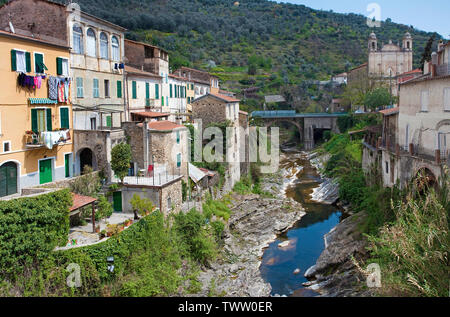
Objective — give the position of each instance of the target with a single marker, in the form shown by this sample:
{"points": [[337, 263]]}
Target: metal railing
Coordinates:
{"points": [[151, 179], [37, 139]]}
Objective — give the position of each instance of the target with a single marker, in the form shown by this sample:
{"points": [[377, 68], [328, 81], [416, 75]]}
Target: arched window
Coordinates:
{"points": [[91, 43], [77, 39], [104, 46], [115, 49]]}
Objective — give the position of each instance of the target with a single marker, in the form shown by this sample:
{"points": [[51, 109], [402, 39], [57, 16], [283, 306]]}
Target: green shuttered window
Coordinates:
{"points": [[64, 113], [134, 88], [156, 91], [119, 89]]}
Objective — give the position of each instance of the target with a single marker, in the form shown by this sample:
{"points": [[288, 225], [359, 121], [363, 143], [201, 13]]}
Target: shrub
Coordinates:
{"points": [[193, 233], [30, 228], [413, 250]]}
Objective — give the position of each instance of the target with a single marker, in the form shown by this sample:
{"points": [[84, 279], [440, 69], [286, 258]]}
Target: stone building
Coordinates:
{"points": [[385, 64], [158, 147], [219, 108], [415, 136], [154, 60]]}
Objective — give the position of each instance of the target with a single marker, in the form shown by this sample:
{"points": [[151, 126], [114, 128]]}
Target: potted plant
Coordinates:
{"points": [[97, 229]]}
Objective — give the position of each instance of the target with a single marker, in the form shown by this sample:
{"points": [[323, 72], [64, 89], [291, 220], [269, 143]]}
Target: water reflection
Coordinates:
{"points": [[279, 264]]}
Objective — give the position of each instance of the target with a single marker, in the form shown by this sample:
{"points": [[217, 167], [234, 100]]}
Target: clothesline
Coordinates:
{"points": [[58, 87]]}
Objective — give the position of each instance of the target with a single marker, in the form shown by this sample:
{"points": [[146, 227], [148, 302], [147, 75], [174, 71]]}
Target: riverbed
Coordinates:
{"points": [[284, 267]]}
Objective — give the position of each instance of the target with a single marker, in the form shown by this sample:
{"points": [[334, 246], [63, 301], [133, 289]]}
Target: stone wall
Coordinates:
{"points": [[164, 149], [135, 134], [209, 110], [41, 19], [174, 192], [101, 144]]}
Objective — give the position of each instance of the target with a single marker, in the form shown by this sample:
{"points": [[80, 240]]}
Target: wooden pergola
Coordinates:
{"points": [[79, 202]]}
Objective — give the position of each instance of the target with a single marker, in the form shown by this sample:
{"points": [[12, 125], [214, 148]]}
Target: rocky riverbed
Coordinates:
{"points": [[254, 224], [335, 273]]}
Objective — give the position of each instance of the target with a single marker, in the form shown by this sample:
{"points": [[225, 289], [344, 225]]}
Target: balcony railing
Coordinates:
{"points": [[46, 138]]}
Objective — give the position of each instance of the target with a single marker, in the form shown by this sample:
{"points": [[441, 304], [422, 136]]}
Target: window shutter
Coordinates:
{"points": [[59, 68], [49, 119], [64, 112], [13, 60], [156, 91], [28, 61], [39, 63], [147, 90], [134, 85], [171, 95], [119, 89], [34, 122]]}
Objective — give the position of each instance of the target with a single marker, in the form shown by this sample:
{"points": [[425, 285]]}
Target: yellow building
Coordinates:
{"points": [[35, 131]]}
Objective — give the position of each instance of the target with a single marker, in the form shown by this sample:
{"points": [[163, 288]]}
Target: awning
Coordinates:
{"points": [[42, 101], [195, 173]]}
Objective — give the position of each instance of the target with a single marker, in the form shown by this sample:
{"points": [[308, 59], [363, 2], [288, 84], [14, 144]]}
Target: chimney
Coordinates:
{"points": [[440, 45], [411, 148], [434, 62], [438, 156]]}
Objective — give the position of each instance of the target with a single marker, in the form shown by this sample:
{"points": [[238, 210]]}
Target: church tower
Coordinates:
{"points": [[373, 43], [407, 42]]}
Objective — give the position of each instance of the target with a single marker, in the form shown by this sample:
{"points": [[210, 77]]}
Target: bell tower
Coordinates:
{"points": [[373, 43], [407, 42]]}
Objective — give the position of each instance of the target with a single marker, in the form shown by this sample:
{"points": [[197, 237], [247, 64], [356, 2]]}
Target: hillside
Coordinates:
{"points": [[284, 44]]}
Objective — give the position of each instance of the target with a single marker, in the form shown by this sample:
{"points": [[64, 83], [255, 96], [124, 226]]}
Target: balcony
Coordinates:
{"points": [[46, 138]]}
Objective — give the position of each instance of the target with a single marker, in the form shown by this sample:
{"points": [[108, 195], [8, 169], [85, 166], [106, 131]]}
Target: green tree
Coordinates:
{"points": [[426, 55], [379, 97], [120, 160]]}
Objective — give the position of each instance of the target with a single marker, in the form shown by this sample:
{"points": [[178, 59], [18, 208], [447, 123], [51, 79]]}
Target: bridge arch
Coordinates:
{"points": [[299, 126]]}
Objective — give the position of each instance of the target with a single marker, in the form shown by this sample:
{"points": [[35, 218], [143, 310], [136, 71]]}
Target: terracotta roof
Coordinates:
{"points": [[243, 112], [391, 111], [223, 97], [81, 201], [132, 70], [164, 125], [151, 114], [414, 71], [208, 172], [360, 66]]}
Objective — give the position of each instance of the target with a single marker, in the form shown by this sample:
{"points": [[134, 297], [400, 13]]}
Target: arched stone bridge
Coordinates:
{"points": [[306, 123]]}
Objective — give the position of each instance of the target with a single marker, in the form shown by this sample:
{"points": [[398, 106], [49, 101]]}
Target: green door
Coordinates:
{"points": [[8, 179], [67, 164], [108, 121], [45, 172], [117, 201]]}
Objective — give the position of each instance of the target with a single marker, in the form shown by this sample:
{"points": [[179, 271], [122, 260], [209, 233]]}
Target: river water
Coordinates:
{"points": [[306, 237]]}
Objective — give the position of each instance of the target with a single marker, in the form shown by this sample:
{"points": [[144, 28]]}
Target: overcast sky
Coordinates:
{"points": [[430, 15]]}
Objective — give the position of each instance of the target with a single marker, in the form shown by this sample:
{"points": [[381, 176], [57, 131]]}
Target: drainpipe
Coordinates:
{"points": [[127, 100], [145, 140]]}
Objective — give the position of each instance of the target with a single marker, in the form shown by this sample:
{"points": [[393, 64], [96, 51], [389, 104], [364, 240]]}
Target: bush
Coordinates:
{"points": [[104, 208], [413, 250], [30, 228], [194, 235]]}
